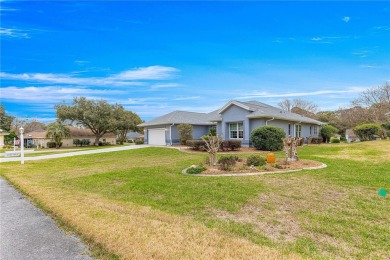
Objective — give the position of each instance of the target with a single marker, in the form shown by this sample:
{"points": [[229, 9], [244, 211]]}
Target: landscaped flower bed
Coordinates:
{"points": [[233, 164]]}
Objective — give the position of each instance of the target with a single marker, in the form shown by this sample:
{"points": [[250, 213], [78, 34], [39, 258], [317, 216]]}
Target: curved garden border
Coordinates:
{"points": [[323, 165]]}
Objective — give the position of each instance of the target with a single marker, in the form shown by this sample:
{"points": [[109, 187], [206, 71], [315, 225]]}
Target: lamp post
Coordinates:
{"points": [[21, 130]]}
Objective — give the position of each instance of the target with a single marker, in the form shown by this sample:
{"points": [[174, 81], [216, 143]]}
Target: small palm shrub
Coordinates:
{"points": [[255, 160]]}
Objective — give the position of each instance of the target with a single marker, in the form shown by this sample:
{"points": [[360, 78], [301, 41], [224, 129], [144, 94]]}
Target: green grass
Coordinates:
{"points": [[326, 213]]}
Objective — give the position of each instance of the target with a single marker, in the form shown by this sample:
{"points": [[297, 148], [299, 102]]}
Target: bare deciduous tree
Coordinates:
{"points": [[299, 105], [212, 144]]}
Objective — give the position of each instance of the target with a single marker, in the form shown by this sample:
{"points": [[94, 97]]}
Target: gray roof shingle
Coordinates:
{"points": [[258, 110]]}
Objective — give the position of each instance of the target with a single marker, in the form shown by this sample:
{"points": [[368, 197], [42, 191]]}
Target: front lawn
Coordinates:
{"points": [[137, 204]]}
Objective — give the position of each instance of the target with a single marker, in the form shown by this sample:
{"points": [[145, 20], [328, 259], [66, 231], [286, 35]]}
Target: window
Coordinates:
{"points": [[315, 130], [310, 130], [289, 129], [236, 131], [298, 130]]}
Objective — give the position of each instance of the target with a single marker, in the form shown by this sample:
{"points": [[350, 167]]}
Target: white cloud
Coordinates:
{"points": [[13, 33], [51, 94], [150, 73], [316, 39], [186, 98], [346, 19], [265, 94], [126, 78], [165, 85]]}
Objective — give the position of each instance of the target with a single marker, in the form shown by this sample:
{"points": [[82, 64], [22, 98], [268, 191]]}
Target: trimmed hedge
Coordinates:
{"points": [[334, 140], [268, 138], [195, 144], [314, 140], [367, 131], [139, 141], [196, 170], [52, 144], [232, 145]]}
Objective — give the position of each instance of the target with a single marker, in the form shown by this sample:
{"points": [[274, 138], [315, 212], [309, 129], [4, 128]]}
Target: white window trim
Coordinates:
{"points": [[315, 130], [295, 128], [237, 130]]}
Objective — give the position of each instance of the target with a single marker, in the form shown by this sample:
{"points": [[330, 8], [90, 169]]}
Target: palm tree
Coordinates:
{"points": [[57, 131]]}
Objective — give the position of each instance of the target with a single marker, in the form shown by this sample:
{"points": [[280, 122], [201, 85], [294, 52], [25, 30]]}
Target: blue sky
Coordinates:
{"points": [[156, 57]]}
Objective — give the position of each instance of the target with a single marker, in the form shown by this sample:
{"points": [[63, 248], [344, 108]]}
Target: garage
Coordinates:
{"points": [[156, 136]]}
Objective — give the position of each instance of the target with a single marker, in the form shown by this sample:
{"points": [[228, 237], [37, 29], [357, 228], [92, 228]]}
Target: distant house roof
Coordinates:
{"points": [[75, 132], [133, 135], [257, 109]]}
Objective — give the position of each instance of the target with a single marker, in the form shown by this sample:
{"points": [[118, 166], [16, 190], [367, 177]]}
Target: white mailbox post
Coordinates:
{"points": [[21, 130]]}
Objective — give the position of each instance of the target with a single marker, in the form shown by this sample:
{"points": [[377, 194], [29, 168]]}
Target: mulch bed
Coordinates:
{"points": [[280, 165]]}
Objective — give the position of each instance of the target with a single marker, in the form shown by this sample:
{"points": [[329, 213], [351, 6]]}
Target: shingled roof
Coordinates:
{"points": [[257, 109], [183, 117]]}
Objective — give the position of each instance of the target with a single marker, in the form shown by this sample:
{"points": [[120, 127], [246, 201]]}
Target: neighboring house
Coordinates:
{"points": [[38, 137], [350, 136], [134, 136], [2, 134], [235, 120]]}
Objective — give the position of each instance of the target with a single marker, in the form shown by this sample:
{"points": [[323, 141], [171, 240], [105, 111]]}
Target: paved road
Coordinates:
{"points": [[52, 156], [27, 233]]}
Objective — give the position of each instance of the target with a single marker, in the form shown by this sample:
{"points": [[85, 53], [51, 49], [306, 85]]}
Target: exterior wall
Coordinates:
{"points": [[166, 127], [1, 140], [235, 114], [197, 133], [219, 128]]}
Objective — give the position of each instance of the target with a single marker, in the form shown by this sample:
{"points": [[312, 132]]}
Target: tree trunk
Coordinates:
{"points": [[97, 140]]}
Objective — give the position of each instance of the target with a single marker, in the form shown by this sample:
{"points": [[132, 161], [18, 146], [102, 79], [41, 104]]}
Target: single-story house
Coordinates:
{"points": [[38, 137], [235, 120], [134, 136], [350, 136]]}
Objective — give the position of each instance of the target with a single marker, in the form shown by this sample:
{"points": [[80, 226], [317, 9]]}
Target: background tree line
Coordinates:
{"points": [[97, 115], [372, 106]]}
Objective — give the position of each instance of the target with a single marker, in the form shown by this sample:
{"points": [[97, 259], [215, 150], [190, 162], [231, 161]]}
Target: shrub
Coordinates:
{"points": [[366, 131], [268, 138], [185, 132], [213, 131], [195, 144], [227, 162], [76, 142], [335, 140], [386, 126], [139, 141], [255, 160], [314, 140], [196, 170], [327, 131], [231, 145], [51, 144], [130, 141], [85, 142]]}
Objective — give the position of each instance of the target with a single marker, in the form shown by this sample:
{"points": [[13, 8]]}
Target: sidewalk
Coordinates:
{"points": [[27, 233]]}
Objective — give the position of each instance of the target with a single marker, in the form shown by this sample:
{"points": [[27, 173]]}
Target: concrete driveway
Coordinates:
{"points": [[52, 156], [27, 233]]}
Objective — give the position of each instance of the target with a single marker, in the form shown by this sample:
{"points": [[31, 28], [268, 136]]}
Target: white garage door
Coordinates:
{"points": [[156, 136]]}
